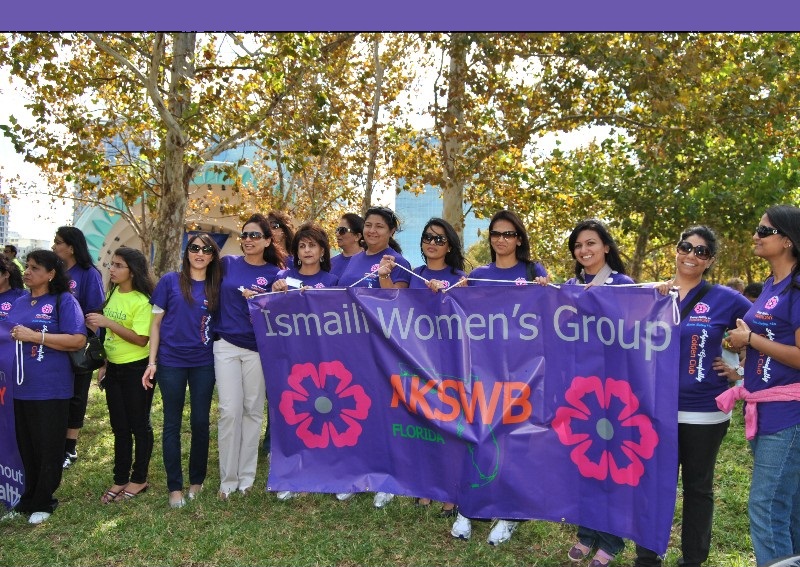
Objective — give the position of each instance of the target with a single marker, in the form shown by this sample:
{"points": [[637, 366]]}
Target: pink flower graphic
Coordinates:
{"points": [[261, 280], [324, 405], [5, 306], [374, 268], [609, 436], [47, 308], [701, 308], [521, 281], [771, 302]]}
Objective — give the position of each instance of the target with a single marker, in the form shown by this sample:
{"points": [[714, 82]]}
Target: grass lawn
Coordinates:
{"points": [[310, 530]]}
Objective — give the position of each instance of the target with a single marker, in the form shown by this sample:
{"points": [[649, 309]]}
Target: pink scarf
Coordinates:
{"points": [[727, 400]]}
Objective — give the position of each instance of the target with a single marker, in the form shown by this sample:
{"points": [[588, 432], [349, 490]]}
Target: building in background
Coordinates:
{"points": [[415, 210], [5, 213]]}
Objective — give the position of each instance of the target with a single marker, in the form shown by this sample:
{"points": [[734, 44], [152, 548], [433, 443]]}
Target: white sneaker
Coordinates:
{"points": [[462, 527], [342, 496], [284, 495], [501, 532], [38, 517], [382, 499]]}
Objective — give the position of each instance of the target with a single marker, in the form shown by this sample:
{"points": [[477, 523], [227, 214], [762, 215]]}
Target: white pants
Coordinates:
{"points": [[241, 392]]}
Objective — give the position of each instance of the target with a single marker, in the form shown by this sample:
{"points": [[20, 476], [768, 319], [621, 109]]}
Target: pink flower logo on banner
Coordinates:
{"points": [[771, 302], [608, 435], [324, 405], [701, 308], [47, 308]]}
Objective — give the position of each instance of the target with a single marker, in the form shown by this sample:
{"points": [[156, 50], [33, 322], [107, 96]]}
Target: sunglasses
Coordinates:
{"points": [[342, 230], [275, 224], [207, 249], [437, 239], [507, 235], [702, 252], [765, 231], [253, 235]]}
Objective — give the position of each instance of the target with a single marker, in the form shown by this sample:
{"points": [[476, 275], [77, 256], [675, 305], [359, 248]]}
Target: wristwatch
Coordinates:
{"points": [[740, 370]]}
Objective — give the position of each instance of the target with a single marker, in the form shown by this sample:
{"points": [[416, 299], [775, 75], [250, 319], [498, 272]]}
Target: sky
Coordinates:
{"points": [[32, 216]]}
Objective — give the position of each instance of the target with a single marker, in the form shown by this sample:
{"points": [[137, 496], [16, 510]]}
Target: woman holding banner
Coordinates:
{"points": [[48, 323], [444, 257], [311, 255], [237, 364], [364, 269], [511, 264], [770, 331], [11, 286], [707, 312], [597, 263]]}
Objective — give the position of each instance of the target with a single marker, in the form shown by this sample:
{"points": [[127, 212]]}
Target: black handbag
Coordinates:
{"points": [[90, 357]]}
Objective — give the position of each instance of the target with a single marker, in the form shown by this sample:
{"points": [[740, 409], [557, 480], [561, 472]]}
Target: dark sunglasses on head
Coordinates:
{"points": [[702, 252], [765, 231], [253, 235], [274, 224], [437, 239], [342, 230], [207, 249], [506, 234]]}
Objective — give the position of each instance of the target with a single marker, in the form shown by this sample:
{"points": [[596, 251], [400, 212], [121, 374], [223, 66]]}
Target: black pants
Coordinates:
{"points": [[41, 426], [80, 397], [129, 412], [698, 446]]}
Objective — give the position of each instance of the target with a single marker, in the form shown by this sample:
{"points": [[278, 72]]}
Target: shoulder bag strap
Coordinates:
{"points": [[704, 290]]}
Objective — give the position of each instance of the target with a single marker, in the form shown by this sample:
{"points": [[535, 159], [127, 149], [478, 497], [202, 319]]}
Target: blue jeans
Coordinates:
{"points": [[172, 382], [609, 543], [774, 504]]}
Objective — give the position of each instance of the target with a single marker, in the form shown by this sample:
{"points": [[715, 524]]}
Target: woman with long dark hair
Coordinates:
{"points": [[444, 258], [126, 318], [181, 355], [511, 264], [282, 229], [86, 283], [237, 364], [770, 331], [349, 239], [48, 323]]}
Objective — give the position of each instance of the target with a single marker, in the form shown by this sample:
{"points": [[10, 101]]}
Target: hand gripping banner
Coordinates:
{"points": [[513, 402]]}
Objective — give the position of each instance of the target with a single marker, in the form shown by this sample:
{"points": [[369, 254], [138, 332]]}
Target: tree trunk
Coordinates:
{"points": [[373, 130], [453, 190], [642, 239], [169, 224]]}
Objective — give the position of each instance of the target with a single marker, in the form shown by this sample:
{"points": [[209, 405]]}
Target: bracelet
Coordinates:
{"points": [[42, 336], [386, 277], [152, 364], [750, 334]]}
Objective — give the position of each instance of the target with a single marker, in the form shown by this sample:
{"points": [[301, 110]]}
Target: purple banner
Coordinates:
{"points": [[11, 476], [514, 402]]}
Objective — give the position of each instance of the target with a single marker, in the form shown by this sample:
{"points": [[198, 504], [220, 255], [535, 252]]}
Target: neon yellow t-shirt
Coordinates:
{"points": [[133, 311]]}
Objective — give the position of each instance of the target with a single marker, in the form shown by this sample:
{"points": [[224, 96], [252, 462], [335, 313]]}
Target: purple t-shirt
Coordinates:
{"points": [[446, 275], [7, 299], [320, 279], [614, 279], [515, 275], [186, 334], [362, 264], [233, 323], [774, 315], [701, 342], [339, 263], [86, 285], [47, 372]]}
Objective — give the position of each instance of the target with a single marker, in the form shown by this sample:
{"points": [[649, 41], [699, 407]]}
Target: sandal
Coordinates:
{"points": [[601, 559], [128, 495], [111, 495], [448, 512], [422, 502], [579, 552]]}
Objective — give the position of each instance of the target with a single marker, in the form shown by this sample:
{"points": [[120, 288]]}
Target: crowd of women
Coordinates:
{"points": [[192, 330]]}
